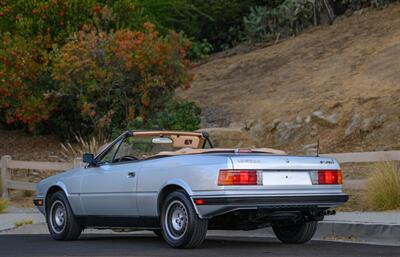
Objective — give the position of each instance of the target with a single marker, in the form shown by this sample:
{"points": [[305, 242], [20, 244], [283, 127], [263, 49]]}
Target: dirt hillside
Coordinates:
{"points": [[22, 146], [339, 83]]}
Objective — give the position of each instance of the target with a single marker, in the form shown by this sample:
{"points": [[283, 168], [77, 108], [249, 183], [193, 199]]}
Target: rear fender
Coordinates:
{"points": [[181, 183]]}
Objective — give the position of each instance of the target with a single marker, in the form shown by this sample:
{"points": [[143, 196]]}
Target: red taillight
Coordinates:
{"points": [[329, 177], [237, 177]]}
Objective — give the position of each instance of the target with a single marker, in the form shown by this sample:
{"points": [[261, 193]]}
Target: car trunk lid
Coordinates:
{"points": [[285, 170], [282, 162]]}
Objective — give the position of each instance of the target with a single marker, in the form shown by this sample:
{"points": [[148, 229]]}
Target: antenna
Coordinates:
{"points": [[318, 147]]}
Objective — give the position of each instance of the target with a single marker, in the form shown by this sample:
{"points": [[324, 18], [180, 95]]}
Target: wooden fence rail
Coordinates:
{"points": [[8, 164], [381, 156]]}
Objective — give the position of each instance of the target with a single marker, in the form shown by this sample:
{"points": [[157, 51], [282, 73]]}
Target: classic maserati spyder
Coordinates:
{"points": [[177, 185]]}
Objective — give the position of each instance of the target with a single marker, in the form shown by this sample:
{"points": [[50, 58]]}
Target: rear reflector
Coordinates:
{"points": [[238, 178], [38, 202], [199, 201], [330, 177]]}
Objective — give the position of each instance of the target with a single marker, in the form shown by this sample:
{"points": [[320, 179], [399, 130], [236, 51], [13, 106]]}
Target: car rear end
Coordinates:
{"points": [[261, 190]]}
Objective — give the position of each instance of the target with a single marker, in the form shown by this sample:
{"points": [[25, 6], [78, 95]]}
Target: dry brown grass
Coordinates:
{"points": [[3, 205], [81, 146], [27, 193], [383, 187], [23, 223]]}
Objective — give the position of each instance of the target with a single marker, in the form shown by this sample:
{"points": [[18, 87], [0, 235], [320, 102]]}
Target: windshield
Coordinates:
{"points": [[142, 148], [145, 144]]}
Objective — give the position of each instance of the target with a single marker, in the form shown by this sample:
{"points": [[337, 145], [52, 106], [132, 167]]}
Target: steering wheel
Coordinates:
{"points": [[126, 158]]}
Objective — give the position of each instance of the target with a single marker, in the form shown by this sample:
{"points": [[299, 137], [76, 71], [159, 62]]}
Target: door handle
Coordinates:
{"points": [[131, 174]]}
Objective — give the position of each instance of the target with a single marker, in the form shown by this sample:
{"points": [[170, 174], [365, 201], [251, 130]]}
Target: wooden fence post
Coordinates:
{"points": [[5, 176]]}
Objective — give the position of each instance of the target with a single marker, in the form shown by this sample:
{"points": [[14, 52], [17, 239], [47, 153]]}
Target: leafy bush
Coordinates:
{"points": [[24, 83], [38, 88], [200, 50], [219, 21], [256, 24], [164, 14], [383, 187], [288, 18], [177, 116], [58, 19], [112, 80], [53, 18]]}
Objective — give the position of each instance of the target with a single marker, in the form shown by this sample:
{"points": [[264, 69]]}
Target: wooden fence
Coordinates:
{"points": [[365, 156], [8, 164]]}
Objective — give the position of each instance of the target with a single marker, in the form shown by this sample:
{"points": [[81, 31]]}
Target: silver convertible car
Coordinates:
{"points": [[177, 185]]}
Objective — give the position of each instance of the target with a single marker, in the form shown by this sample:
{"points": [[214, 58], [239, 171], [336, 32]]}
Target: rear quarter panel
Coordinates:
{"points": [[194, 173], [198, 175]]}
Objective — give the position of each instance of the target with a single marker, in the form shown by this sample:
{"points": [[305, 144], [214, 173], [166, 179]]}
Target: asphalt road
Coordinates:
{"points": [[145, 245]]}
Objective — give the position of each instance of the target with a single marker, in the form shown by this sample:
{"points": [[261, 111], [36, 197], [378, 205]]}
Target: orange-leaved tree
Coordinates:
{"points": [[24, 89], [121, 78]]}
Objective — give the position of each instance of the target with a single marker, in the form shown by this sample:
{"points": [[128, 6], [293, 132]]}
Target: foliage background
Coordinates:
{"points": [[85, 66], [93, 67]]}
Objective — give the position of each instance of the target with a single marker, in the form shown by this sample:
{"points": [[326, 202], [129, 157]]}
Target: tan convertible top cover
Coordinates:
{"points": [[184, 151], [191, 143]]}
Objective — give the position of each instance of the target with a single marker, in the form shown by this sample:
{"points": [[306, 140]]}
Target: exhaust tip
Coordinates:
{"points": [[330, 212]]}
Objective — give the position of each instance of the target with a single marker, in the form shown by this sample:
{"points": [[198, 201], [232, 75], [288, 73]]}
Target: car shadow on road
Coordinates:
{"points": [[148, 245]]}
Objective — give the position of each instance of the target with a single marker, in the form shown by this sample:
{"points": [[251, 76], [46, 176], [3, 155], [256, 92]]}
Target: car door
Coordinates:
{"points": [[109, 189]]}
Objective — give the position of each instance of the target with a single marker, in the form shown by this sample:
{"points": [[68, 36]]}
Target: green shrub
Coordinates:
{"points": [[288, 18], [58, 19], [256, 24], [112, 80], [38, 89], [383, 187], [164, 14], [53, 18], [218, 21], [177, 116], [3, 205], [200, 50]]}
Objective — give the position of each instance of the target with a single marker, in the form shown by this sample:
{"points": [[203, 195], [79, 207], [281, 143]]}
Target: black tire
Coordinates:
{"points": [[158, 232], [296, 234], [191, 231], [61, 221]]}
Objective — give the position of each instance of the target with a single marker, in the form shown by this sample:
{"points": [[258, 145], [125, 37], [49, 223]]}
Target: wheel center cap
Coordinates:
{"points": [[178, 221]]}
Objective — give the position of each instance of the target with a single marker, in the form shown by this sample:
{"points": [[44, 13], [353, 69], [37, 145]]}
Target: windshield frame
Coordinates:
{"points": [[203, 137]]}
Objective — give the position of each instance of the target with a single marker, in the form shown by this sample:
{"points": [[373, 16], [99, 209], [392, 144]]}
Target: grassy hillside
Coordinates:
{"points": [[349, 72]]}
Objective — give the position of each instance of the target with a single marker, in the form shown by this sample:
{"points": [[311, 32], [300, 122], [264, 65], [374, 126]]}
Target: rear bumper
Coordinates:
{"points": [[213, 206]]}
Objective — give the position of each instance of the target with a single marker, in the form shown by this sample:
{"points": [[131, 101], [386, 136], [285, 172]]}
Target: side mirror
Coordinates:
{"points": [[88, 158]]}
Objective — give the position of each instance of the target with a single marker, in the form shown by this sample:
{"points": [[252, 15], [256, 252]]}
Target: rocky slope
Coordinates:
{"points": [[338, 83]]}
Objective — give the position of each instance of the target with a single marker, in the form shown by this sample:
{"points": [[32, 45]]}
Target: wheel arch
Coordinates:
{"points": [[53, 189], [170, 187]]}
